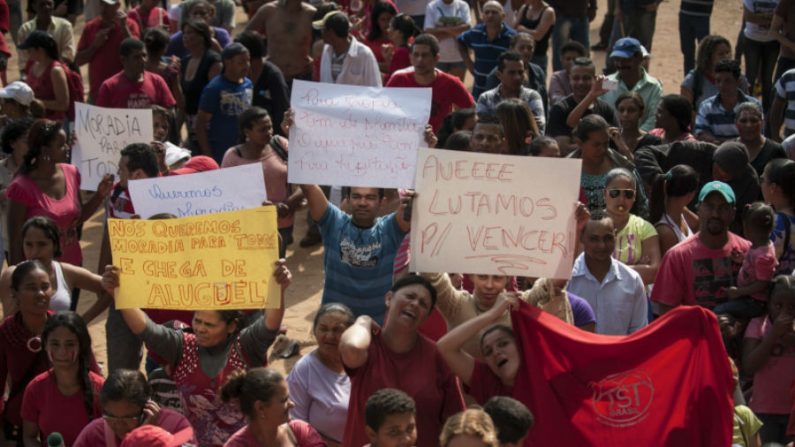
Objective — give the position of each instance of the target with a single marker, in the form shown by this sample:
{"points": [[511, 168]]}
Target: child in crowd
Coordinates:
{"points": [[544, 146], [389, 417], [472, 428], [511, 418], [778, 189], [747, 300], [745, 432]]}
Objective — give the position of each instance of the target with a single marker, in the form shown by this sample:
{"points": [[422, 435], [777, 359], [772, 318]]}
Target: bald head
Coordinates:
{"points": [[493, 13]]}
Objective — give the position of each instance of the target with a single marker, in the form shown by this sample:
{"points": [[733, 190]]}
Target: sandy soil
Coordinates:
{"points": [[303, 296]]}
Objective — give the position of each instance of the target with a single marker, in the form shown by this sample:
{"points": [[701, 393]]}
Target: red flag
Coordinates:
{"points": [[668, 384]]}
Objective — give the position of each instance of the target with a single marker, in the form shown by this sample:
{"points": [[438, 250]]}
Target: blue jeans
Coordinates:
{"points": [[761, 56], [745, 307], [691, 30], [568, 28], [639, 24]]}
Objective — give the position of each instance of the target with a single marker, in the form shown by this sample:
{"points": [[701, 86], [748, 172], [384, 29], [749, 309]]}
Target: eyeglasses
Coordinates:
{"points": [[629, 194], [137, 420]]}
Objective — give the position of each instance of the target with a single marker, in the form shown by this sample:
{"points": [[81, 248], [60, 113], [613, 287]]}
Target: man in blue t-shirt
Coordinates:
{"points": [[360, 248], [224, 98]]}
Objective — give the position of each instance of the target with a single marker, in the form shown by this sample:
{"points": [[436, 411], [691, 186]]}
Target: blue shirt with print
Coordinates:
{"points": [[225, 100]]}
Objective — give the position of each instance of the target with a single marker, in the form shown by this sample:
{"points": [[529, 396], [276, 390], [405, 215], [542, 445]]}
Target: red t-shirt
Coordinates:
{"points": [[448, 90], [484, 384], [44, 405], [691, 273], [305, 436], [106, 60], [421, 373], [668, 384], [97, 432], [119, 92], [156, 17]]}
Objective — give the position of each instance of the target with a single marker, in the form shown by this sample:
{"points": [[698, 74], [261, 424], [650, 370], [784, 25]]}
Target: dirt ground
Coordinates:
{"points": [[303, 296]]}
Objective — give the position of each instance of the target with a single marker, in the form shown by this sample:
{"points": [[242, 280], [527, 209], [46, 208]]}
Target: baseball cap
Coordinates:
{"points": [[199, 163], [18, 91], [626, 47], [336, 21], [175, 154], [154, 436], [716, 186]]}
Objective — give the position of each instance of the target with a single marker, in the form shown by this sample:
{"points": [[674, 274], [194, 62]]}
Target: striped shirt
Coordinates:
{"points": [[487, 104], [486, 52], [712, 117], [785, 89], [698, 8]]}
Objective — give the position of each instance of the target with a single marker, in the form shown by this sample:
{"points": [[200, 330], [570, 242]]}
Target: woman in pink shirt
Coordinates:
{"points": [[46, 185], [265, 400]]}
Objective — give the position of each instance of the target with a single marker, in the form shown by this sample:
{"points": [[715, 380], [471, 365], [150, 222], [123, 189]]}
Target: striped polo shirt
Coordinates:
{"points": [[785, 89], [486, 52], [712, 117], [697, 8]]}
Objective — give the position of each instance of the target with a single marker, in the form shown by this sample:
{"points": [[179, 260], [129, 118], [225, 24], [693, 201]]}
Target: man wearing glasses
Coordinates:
{"points": [[614, 290], [700, 269]]}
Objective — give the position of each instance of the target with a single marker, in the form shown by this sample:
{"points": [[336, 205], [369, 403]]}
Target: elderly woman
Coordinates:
{"points": [[750, 122], [319, 386]]}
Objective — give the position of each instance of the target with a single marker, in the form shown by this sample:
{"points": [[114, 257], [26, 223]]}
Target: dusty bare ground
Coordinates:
{"points": [[303, 296]]}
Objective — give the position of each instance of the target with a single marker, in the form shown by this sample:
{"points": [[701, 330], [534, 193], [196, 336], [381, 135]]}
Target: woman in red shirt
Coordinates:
{"points": [[396, 56], [47, 75]]}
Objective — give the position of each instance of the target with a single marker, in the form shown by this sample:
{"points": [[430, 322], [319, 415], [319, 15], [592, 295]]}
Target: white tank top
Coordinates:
{"points": [[667, 220], [62, 298]]}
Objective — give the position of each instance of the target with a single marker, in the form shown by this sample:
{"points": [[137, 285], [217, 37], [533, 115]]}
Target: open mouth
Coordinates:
{"points": [[501, 363]]}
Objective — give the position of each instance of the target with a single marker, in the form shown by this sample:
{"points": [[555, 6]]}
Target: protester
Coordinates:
{"points": [[636, 241], [582, 102], [218, 346], [544, 147], [46, 75], [65, 398], [198, 10], [41, 242], [748, 298], [47, 186], [471, 427], [196, 71], [389, 417], [671, 193], [287, 27], [673, 120], [746, 426], [631, 76], [511, 73], [156, 42], [126, 406], [537, 18], [59, 28], [769, 356], [778, 190], [782, 27], [597, 160], [487, 40], [519, 125], [222, 101], [377, 37], [446, 20], [629, 136], [536, 78], [134, 87], [700, 82], [559, 85], [148, 15], [571, 24], [14, 143], [17, 101], [319, 386], [398, 356], [730, 164], [694, 18], [761, 46], [345, 60], [750, 123], [511, 418], [447, 91], [359, 248], [99, 44], [716, 114], [264, 398], [781, 111], [710, 250]]}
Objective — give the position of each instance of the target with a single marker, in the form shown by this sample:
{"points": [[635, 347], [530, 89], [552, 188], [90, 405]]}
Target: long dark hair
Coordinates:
{"points": [[50, 230], [41, 134], [706, 48], [680, 109], [405, 25], [781, 171], [256, 384], [77, 326], [22, 270], [379, 8], [679, 181]]}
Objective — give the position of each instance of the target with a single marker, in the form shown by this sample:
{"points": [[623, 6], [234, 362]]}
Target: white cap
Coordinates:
{"points": [[175, 154], [19, 92]]}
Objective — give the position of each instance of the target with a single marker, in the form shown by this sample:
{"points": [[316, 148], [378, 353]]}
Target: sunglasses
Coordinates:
{"points": [[629, 194]]}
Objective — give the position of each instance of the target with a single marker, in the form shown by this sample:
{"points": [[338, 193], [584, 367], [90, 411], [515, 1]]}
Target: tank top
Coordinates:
{"points": [[542, 45], [666, 220], [62, 298]]}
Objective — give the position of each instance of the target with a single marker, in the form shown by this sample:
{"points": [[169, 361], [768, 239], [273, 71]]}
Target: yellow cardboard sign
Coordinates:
{"points": [[212, 261]]}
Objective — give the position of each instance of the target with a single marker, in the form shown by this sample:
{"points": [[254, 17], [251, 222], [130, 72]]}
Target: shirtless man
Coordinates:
{"points": [[287, 26]]}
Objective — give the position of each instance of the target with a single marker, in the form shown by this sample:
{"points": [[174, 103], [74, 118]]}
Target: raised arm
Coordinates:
{"points": [[451, 346], [756, 351], [355, 342], [273, 317], [318, 203], [135, 318]]}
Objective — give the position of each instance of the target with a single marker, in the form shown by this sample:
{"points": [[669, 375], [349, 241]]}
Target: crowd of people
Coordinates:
{"points": [[685, 200]]}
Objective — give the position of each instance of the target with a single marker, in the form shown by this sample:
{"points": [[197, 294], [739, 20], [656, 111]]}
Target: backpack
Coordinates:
{"points": [[76, 93]]}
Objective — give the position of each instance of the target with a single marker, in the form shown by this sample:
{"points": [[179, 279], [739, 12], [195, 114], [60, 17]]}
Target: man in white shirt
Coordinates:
{"points": [[614, 291], [345, 60], [446, 20]]}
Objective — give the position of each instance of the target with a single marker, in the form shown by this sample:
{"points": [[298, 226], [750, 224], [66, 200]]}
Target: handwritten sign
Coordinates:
{"points": [[494, 214], [356, 136], [216, 191], [101, 135], [215, 261]]}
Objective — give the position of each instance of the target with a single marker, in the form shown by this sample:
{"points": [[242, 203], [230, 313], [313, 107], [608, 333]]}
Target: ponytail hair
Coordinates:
{"points": [[679, 181], [248, 387]]}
